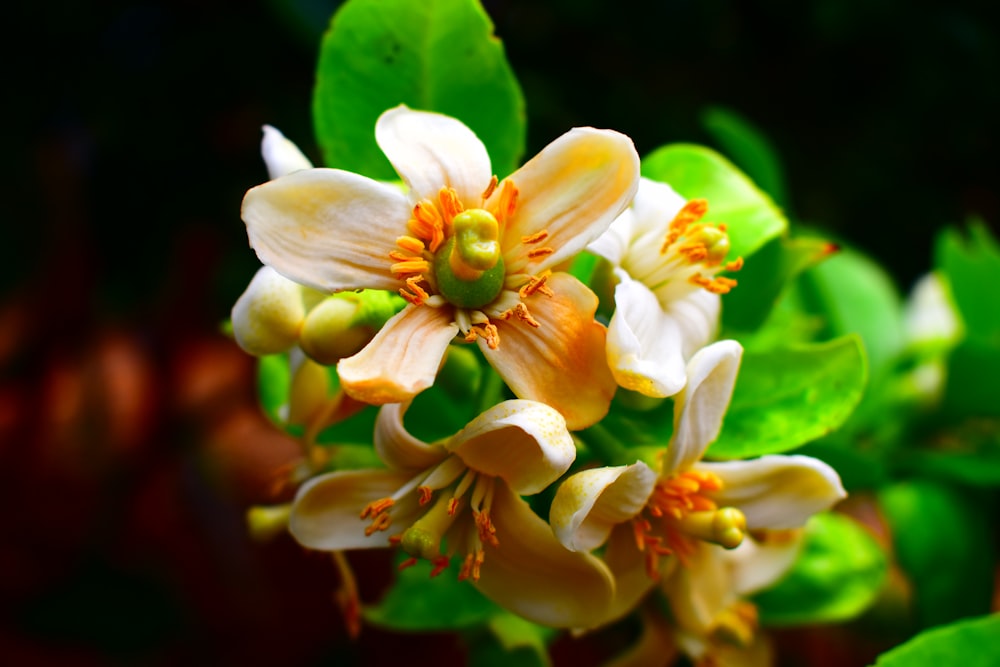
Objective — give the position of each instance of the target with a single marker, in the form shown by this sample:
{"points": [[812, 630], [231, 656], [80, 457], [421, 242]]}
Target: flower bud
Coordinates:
{"points": [[269, 314], [330, 333]]}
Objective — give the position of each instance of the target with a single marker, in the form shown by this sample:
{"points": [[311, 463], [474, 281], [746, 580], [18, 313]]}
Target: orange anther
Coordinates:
{"points": [[426, 493], [494, 181]]}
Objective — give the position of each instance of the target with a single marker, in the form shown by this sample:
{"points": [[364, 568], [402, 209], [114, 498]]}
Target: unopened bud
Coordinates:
{"points": [[330, 333], [269, 314]]}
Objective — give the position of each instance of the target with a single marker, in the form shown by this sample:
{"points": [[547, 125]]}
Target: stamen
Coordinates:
{"points": [[521, 312], [427, 224], [376, 507], [463, 486], [487, 531], [471, 565], [409, 266], [538, 253], [450, 204], [413, 292], [536, 284], [440, 564], [494, 181], [716, 285], [692, 211], [410, 244], [379, 523], [426, 493], [507, 202], [487, 332], [409, 562], [535, 238]]}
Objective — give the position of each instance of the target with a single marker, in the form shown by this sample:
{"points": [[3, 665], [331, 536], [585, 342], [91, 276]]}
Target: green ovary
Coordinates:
{"points": [[468, 267]]}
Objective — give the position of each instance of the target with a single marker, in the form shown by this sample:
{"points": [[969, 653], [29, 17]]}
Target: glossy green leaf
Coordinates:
{"points": [[416, 602], [765, 275], [974, 642], [693, 171], [942, 540], [436, 55], [749, 148], [838, 575], [972, 267], [785, 398]]}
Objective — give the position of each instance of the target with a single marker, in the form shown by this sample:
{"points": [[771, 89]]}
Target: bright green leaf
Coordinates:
{"points": [[969, 643], [838, 575], [943, 542], [697, 172], [785, 398], [436, 55], [416, 602], [972, 266], [765, 275], [749, 148], [511, 640]]}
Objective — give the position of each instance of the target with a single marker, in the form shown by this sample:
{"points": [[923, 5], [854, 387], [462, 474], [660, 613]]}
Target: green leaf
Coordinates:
{"points": [[749, 148], [972, 266], [837, 576], [415, 602], [969, 643], [785, 398], [763, 278], [511, 640], [436, 55], [274, 379], [695, 172], [942, 542]]}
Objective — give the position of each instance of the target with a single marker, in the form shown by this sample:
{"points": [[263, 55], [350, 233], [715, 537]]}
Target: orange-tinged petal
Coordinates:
{"points": [[531, 574], [397, 448], [629, 567], [431, 151], [573, 189], [326, 514], [701, 590], [524, 443], [326, 228], [402, 359], [592, 502], [561, 362]]}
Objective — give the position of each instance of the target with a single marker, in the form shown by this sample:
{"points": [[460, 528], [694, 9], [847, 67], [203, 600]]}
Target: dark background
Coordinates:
{"points": [[129, 438]]}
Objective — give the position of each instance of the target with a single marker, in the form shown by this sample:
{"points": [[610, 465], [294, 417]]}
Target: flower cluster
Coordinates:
{"points": [[384, 287]]}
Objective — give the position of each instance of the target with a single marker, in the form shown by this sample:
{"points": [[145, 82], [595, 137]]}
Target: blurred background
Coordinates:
{"points": [[130, 438]]}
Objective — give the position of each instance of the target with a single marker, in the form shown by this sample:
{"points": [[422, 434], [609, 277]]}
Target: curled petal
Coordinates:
{"points": [[281, 156], [653, 208], [777, 491], [430, 151], [645, 347], [402, 359], [326, 514], [269, 314], [760, 561], [701, 406], [531, 574], [396, 447], [562, 361], [613, 245], [592, 502], [573, 189], [523, 442], [326, 228]]}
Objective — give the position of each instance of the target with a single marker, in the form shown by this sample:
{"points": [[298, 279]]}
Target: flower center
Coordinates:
{"points": [[422, 539], [679, 514], [468, 268], [694, 252]]}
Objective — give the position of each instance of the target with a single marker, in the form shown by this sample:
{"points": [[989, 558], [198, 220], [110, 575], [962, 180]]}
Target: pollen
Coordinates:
{"points": [[536, 284], [487, 331], [506, 202], [520, 311]]}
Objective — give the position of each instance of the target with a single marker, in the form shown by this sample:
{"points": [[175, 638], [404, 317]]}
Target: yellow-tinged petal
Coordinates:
{"points": [[701, 406], [326, 228], [525, 443], [629, 567], [701, 590], [281, 156], [762, 560], [269, 314], [397, 448], [402, 359], [431, 151], [562, 361], [776, 492], [645, 346], [592, 502], [326, 514], [573, 189], [531, 574]]}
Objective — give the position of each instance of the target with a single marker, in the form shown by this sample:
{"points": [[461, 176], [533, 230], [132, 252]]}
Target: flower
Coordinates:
{"points": [[667, 296], [651, 521], [462, 496], [473, 256]]}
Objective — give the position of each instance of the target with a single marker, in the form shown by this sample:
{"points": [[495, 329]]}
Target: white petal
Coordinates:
{"points": [[759, 564], [523, 442], [326, 514], [592, 502], [326, 228], [644, 346], [701, 406], [281, 156], [777, 491], [696, 314], [269, 314], [402, 359], [396, 447], [613, 244], [430, 151], [573, 189]]}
